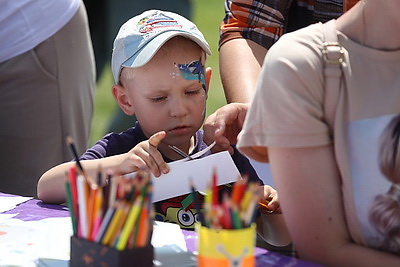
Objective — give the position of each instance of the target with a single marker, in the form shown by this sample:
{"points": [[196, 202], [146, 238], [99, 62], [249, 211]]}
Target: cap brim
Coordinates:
{"points": [[145, 54]]}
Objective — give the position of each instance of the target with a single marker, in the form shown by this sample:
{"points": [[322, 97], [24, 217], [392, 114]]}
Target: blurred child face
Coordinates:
{"points": [[166, 94]]}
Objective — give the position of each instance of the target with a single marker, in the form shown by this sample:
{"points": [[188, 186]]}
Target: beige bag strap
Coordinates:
{"points": [[333, 55]]}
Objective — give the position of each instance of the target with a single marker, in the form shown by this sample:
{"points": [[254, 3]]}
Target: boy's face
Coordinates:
{"points": [[167, 94]]}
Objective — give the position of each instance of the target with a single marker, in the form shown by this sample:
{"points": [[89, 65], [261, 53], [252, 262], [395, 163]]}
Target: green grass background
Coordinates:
{"points": [[207, 15]]}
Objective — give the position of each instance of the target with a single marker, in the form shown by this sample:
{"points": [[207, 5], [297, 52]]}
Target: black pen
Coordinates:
{"points": [[70, 142]]}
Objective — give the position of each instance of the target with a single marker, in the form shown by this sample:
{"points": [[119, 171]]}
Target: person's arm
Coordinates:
{"points": [[51, 185], [308, 183], [248, 30], [240, 65], [143, 156]]}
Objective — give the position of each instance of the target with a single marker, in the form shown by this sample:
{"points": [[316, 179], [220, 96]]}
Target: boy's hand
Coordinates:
{"points": [[269, 198], [145, 156]]}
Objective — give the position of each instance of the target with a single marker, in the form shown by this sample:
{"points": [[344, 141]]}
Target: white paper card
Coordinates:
{"points": [[177, 181]]}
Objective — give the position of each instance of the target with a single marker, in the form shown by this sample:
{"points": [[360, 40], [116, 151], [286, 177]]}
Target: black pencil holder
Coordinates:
{"points": [[86, 253]]}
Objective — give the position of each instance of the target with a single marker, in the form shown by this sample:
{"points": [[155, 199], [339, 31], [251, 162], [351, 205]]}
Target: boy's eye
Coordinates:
{"points": [[158, 99], [193, 92]]}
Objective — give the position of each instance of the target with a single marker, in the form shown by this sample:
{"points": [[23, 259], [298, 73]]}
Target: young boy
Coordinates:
{"points": [[158, 66]]}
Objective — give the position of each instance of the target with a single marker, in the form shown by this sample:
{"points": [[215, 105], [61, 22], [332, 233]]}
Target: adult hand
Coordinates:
{"points": [[145, 156], [224, 125], [269, 196]]}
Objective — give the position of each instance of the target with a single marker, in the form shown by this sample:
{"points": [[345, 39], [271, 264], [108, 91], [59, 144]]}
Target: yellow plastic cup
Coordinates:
{"points": [[225, 247]]}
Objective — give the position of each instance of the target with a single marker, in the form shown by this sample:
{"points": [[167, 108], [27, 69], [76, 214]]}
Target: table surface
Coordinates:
{"points": [[35, 210]]}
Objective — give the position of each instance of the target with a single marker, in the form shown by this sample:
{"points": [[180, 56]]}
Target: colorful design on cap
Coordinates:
{"points": [[193, 71], [157, 21]]}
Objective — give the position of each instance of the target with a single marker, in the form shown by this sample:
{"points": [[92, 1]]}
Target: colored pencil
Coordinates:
{"points": [[74, 192], [72, 214], [214, 188], [120, 224], [129, 225], [82, 198], [91, 208], [97, 214], [143, 227], [112, 228], [104, 224], [236, 210], [126, 217]]}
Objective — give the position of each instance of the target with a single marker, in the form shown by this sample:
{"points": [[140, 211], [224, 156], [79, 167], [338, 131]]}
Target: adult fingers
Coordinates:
{"points": [[213, 127]]}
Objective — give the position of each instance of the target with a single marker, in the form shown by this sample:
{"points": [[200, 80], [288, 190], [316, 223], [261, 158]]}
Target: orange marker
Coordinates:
{"points": [[264, 205]]}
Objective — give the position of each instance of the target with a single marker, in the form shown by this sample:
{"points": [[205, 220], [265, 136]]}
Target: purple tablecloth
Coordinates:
{"points": [[33, 210]]}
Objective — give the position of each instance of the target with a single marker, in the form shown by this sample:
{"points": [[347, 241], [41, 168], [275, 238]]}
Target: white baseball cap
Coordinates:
{"points": [[139, 39]]}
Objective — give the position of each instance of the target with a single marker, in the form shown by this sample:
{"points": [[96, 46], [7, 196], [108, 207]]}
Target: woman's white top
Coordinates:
{"points": [[26, 23]]}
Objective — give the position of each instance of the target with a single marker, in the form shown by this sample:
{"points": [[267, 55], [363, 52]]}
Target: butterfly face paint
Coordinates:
{"points": [[193, 71]]}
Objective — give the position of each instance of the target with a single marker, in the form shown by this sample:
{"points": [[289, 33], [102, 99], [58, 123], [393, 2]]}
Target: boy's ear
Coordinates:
{"points": [[120, 95], [207, 75]]}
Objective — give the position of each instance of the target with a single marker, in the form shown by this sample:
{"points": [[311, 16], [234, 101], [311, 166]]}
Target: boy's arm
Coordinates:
{"points": [[144, 156], [51, 185]]}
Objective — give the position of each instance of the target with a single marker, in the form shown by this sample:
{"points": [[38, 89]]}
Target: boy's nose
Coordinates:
{"points": [[178, 108]]}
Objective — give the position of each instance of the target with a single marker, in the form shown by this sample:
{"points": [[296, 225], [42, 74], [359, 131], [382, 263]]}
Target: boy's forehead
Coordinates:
{"points": [[162, 73], [178, 47], [177, 41]]}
